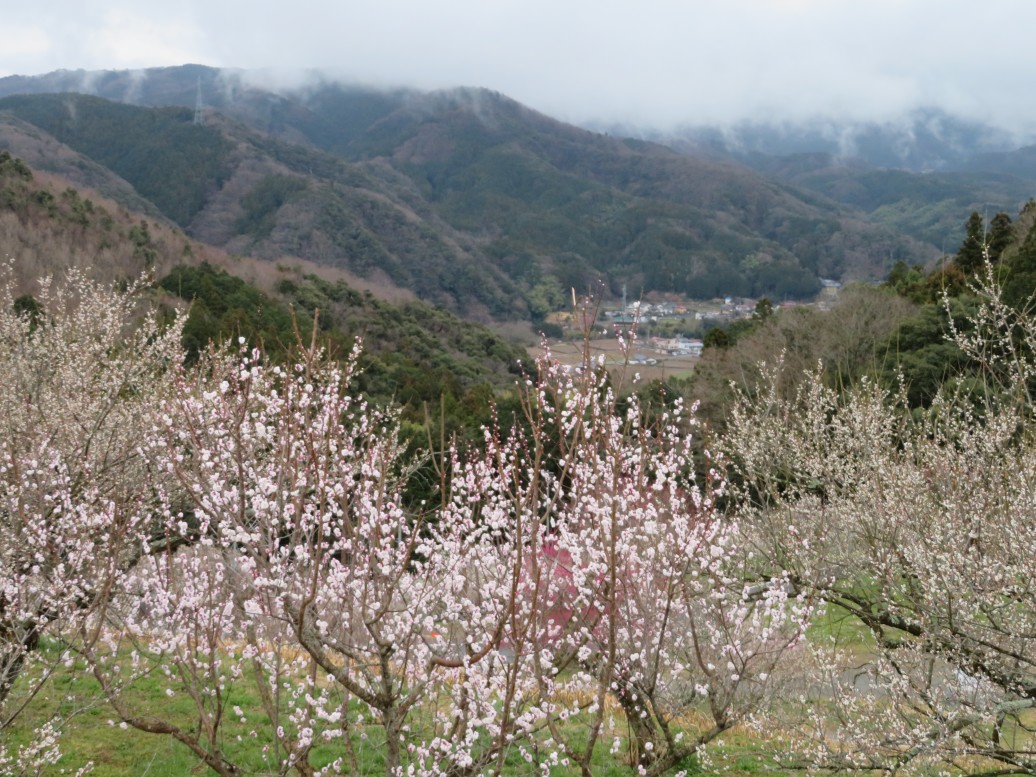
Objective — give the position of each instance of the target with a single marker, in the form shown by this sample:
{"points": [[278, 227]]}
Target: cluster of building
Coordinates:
{"points": [[676, 346], [641, 316], [732, 308]]}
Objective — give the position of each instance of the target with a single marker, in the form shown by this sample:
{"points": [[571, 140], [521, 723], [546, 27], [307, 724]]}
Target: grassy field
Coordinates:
{"points": [[91, 736]]}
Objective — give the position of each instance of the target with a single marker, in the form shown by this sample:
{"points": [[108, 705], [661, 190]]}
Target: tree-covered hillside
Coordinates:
{"points": [[578, 206], [170, 160], [47, 226], [928, 206], [414, 354], [466, 197], [901, 335], [259, 196]]}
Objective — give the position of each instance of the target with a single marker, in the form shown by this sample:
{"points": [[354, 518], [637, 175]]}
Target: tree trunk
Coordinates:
{"points": [[643, 747], [12, 660], [392, 719]]}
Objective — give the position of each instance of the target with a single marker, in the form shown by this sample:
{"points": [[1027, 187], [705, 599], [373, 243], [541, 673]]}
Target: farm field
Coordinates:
{"points": [[571, 354]]}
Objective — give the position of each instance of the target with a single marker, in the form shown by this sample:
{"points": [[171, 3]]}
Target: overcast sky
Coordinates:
{"points": [[645, 62]]}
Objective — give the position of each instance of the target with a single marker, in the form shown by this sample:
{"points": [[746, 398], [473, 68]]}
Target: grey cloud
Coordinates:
{"points": [[651, 63]]}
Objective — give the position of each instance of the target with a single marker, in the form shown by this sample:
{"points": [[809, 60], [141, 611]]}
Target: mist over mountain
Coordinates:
{"points": [[480, 204], [919, 175], [921, 140]]}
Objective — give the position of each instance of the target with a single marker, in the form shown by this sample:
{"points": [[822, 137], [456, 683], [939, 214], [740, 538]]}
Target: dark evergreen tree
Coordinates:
{"points": [[1001, 235], [1020, 278], [972, 251]]}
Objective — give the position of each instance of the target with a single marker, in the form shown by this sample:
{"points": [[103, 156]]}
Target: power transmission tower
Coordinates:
{"points": [[198, 104]]}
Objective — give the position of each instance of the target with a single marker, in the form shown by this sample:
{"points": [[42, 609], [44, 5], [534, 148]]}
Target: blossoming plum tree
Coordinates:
{"points": [[81, 369], [568, 566], [238, 526], [639, 599], [920, 526]]}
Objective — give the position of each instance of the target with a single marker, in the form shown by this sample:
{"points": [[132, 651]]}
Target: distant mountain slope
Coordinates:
{"points": [[154, 86], [930, 207], [170, 161], [1018, 163], [43, 152], [573, 205], [465, 196], [923, 140], [921, 175], [413, 352], [47, 225], [253, 194]]}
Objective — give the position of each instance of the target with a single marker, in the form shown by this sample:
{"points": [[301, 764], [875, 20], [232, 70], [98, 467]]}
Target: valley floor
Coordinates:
{"points": [[571, 354]]}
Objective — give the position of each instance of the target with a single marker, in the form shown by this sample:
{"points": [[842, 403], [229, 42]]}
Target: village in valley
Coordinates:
{"points": [[658, 337]]}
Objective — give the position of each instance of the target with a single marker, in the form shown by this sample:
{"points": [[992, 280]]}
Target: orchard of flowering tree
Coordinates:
{"points": [[236, 556]]}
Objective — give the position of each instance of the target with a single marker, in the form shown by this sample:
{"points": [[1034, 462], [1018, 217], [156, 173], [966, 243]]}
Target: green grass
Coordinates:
{"points": [[836, 626], [92, 733], [91, 737]]}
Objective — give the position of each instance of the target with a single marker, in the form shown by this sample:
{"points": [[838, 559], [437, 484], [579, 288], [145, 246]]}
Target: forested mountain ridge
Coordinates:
{"points": [[414, 354], [930, 207], [919, 140], [465, 196], [255, 195], [920, 174]]}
